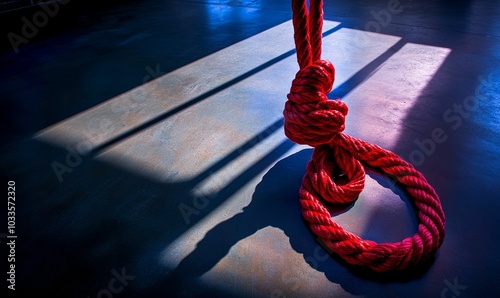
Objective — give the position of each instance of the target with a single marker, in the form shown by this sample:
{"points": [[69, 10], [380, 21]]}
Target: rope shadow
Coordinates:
{"points": [[106, 219], [275, 204]]}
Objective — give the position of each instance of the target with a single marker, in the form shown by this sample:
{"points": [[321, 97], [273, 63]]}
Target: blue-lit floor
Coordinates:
{"points": [[145, 139]]}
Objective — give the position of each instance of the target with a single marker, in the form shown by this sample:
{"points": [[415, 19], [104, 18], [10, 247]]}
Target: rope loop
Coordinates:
{"points": [[327, 160]]}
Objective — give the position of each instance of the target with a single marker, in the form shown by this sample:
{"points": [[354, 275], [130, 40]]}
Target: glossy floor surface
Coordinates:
{"points": [[145, 140]]}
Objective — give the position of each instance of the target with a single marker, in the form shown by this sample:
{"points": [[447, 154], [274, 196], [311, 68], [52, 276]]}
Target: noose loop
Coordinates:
{"points": [[312, 119]]}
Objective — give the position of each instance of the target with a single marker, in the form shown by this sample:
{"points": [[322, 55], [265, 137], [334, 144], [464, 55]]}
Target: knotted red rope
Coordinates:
{"points": [[311, 118]]}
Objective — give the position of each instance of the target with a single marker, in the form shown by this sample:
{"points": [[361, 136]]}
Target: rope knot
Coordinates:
{"points": [[310, 117]]}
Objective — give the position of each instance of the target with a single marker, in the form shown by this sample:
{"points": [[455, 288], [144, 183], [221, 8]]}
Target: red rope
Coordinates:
{"points": [[311, 118]]}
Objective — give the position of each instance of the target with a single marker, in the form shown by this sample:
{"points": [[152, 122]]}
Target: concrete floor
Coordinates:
{"points": [[146, 142]]}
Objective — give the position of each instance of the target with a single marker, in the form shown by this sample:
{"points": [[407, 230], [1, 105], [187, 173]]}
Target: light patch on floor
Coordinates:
{"points": [[391, 92], [216, 87]]}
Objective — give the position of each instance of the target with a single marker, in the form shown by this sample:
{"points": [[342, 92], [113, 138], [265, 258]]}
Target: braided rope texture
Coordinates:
{"points": [[312, 119]]}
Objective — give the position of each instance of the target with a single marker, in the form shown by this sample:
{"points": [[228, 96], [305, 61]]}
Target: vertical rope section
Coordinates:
{"points": [[315, 28], [313, 119], [302, 43]]}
